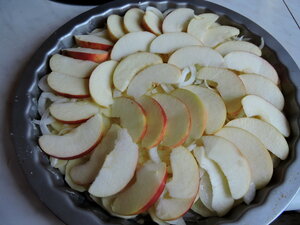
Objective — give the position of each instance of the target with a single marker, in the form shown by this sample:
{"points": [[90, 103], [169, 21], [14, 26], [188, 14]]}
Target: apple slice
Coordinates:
{"points": [[222, 201], [257, 106], [264, 88], [85, 173], [80, 141], [156, 11], [132, 116], [73, 112], [229, 85], [177, 20], [214, 106], [200, 208], [118, 168], [133, 20], [115, 27], [144, 192], [232, 163], [216, 35], [152, 22], [179, 120], [182, 188], [205, 192], [155, 74], [94, 55], [198, 25], [68, 86], [249, 63], [231, 46], [92, 41], [197, 111], [130, 66], [72, 67], [156, 121], [131, 43], [272, 139], [169, 42], [254, 151], [100, 83], [100, 32], [191, 55]]}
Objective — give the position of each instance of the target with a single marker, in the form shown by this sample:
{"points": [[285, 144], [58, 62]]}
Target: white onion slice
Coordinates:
{"points": [[184, 74], [191, 79], [154, 155], [249, 196], [191, 147], [206, 85], [43, 84], [167, 88], [42, 102], [262, 43]]}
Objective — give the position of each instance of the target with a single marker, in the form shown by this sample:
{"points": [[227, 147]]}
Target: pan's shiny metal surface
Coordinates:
{"points": [[75, 208]]}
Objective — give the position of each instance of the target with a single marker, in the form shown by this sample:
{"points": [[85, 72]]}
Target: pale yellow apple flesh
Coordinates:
{"points": [[177, 20], [272, 139], [199, 207], [155, 74], [73, 67], [130, 66], [92, 41], [191, 55], [257, 106], [263, 87], [115, 27], [254, 151], [205, 192], [229, 85], [197, 111], [152, 22], [94, 55], [68, 86], [133, 20], [132, 116], [170, 42], [232, 163], [131, 43], [231, 46], [80, 141], [73, 112], [178, 117], [214, 106], [118, 168]]}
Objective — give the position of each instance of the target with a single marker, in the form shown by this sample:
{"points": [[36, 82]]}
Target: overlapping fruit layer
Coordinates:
{"points": [[162, 113]]}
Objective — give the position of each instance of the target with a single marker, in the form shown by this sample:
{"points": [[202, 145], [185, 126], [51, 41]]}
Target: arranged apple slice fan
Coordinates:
{"points": [[160, 113]]}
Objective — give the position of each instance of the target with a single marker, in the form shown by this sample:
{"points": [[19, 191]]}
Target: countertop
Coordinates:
{"points": [[25, 25]]}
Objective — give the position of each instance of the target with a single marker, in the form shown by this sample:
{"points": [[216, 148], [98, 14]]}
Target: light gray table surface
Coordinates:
{"points": [[25, 25]]}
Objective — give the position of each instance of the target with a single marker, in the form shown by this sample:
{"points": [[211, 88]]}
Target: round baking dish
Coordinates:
{"points": [[76, 208]]}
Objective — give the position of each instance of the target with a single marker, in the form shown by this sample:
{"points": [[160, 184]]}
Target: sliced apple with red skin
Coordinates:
{"points": [[257, 106], [92, 41], [156, 121], [249, 63], [191, 55], [133, 20], [177, 20], [272, 139], [100, 83], [131, 43], [231, 46], [86, 172], [214, 106], [222, 201], [72, 67], [94, 55], [199, 25], [118, 168], [232, 163], [179, 120], [216, 35], [68, 86], [182, 188], [152, 22], [155, 74], [73, 112], [263, 87], [170, 42], [115, 27], [229, 85], [254, 151], [132, 117], [130, 66], [197, 111], [144, 192], [80, 141]]}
